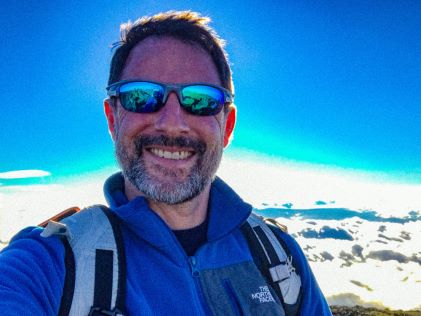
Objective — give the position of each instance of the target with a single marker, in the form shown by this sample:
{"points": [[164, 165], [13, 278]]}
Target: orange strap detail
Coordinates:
{"points": [[58, 217]]}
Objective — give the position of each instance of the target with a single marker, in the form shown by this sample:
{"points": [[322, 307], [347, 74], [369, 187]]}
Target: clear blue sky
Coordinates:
{"points": [[328, 82]]}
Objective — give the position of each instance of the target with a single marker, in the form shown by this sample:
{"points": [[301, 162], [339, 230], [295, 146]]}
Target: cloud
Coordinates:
{"points": [[21, 174], [309, 233], [357, 251], [314, 258], [416, 259], [381, 241], [347, 257], [350, 299], [382, 228], [326, 256], [326, 232], [405, 235], [336, 214], [387, 255], [24, 177], [364, 286], [390, 238], [308, 247], [31, 202], [302, 185]]}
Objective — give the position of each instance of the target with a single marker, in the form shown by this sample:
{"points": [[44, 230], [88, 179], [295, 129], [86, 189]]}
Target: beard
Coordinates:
{"points": [[172, 190]]}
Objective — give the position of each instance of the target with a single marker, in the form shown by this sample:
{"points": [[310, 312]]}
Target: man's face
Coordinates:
{"points": [[169, 156]]}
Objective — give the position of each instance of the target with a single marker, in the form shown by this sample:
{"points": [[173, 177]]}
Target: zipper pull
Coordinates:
{"points": [[193, 266]]}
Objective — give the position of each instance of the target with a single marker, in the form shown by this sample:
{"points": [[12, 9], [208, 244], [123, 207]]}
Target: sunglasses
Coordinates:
{"points": [[142, 96]]}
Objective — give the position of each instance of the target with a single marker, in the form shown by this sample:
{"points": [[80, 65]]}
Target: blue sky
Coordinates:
{"points": [[333, 83]]}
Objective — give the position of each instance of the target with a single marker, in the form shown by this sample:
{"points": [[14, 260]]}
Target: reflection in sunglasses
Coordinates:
{"points": [[136, 99]]}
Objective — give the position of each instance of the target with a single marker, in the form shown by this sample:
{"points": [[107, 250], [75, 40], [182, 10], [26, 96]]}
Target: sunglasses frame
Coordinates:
{"points": [[113, 90]]}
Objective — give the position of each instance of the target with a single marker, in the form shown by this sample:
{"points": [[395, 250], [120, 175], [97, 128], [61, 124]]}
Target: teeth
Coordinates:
{"points": [[176, 155]]}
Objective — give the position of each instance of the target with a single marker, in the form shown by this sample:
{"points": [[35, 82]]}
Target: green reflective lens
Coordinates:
{"points": [[141, 97], [202, 100]]}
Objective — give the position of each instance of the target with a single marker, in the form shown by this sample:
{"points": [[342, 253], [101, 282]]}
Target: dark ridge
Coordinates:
{"points": [[337, 214]]}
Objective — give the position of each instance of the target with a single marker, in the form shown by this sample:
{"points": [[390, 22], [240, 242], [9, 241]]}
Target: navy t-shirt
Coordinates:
{"points": [[191, 239]]}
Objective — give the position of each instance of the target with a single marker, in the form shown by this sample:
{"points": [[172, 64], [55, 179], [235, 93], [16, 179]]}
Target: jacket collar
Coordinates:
{"points": [[227, 211]]}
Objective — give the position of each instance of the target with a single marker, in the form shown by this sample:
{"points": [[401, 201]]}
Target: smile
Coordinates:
{"points": [[175, 155]]}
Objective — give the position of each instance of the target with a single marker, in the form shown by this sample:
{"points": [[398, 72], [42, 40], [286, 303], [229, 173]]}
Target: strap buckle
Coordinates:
{"points": [[98, 311], [282, 271]]}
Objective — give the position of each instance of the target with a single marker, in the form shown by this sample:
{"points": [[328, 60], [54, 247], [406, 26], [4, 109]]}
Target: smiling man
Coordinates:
{"points": [[175, 240], [171, 153]]}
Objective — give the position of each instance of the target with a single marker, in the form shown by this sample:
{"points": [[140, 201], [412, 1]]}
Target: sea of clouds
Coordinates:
{"points": [[361, 233], [359, 258]]}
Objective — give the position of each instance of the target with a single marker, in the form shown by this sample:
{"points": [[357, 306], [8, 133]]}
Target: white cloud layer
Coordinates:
{"points": [[373, 263], [260, 179], [377, 266], [21, 174]]}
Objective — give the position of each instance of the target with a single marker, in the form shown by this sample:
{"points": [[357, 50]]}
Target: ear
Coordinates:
{"points": [[230, 124], [110, 115]]}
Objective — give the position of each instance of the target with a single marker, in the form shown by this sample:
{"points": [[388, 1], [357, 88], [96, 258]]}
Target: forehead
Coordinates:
{"points": [[168, 59]]}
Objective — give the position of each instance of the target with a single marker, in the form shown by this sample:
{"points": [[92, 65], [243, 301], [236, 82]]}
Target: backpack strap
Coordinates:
{"points": [[60, 216], [69, 279], [95, 262], [274, 261]]}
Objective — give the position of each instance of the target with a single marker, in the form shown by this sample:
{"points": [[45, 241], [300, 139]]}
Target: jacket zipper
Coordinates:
{"points": [[193, 266], [196, 274], [192, 261]]}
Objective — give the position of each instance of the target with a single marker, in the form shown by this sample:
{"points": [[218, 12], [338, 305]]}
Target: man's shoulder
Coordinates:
{"points": [[93, 224], [31, 268], [29, 251], [30, 239], [46, 236]]}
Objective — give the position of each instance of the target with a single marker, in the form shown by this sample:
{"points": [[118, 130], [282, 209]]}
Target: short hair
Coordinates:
{"points": [[186, 26]]}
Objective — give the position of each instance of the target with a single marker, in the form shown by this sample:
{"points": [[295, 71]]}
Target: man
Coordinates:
{"points": [[170, 113]]}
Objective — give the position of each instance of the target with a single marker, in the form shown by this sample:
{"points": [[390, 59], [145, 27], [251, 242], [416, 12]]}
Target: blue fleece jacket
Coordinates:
{"points": [[220, 279]]}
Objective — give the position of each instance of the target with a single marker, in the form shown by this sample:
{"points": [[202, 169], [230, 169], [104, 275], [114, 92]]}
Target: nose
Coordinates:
{"points": [[171, 119]]}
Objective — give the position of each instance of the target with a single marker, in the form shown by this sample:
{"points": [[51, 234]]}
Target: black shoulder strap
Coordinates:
{"points": [[267, 260], [277, 231], [290, 309], [69, 279], [263, 255]]}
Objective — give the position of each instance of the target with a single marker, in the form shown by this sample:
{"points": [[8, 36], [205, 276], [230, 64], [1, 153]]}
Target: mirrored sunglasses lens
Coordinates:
{"points": [[141, 97], [202, 100]]}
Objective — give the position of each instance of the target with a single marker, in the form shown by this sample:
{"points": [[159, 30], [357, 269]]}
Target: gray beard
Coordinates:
{"points": [[169, 192]]}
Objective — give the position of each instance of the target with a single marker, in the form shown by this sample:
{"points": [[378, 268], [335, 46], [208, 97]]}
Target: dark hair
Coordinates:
{"points": [[186, 26]]}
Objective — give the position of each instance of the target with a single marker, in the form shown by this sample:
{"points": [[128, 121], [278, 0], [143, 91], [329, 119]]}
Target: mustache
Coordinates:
{"points": [[162, 140]]}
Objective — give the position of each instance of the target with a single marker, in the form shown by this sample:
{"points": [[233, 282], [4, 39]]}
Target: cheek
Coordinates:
{"points": [[128, 124], [210, 128], [122, 117], [220, 125], [211, 132]]}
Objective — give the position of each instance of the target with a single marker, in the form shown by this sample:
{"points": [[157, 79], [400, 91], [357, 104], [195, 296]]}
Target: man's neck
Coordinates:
{"points": [[179, 216]]}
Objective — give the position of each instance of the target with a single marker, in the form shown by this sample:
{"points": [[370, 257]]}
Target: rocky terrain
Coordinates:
{"points": [[369, 311]]}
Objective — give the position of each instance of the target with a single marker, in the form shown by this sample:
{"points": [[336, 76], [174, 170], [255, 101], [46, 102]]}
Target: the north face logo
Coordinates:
{"points": [[264, 295]]}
